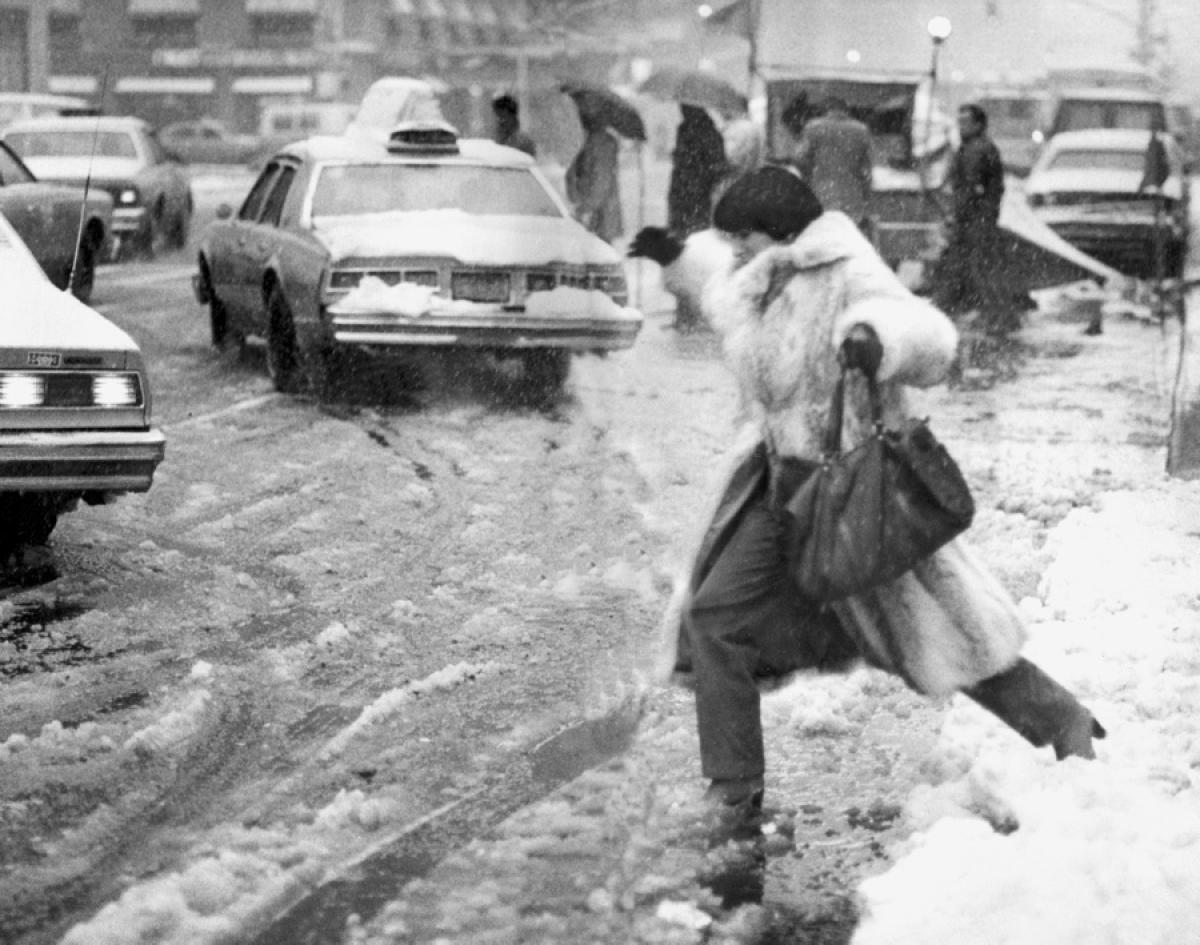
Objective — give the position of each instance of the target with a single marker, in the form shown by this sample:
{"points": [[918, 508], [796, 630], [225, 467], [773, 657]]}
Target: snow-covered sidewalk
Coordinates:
{"points": [[987, 840]]}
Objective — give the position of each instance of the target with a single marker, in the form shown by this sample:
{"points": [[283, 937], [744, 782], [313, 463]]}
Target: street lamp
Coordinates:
{"points": [[939, 30]]}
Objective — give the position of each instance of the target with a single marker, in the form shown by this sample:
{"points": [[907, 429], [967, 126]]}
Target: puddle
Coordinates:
{"points": [[584, 745], [29, 628]]}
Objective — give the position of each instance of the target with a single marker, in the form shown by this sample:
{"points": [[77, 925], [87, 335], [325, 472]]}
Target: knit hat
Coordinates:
{"points": [[772, 200]]}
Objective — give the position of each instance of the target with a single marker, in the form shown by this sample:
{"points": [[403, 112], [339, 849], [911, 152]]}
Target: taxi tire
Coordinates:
{"points": [[178, 236], [218, 316], [283, 358], [83, 280]]}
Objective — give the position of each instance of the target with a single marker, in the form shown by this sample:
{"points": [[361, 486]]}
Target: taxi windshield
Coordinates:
{"points": [[350, 189]]}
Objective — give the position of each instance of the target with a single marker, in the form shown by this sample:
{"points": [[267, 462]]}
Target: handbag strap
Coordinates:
{"points": [[832, 443]]}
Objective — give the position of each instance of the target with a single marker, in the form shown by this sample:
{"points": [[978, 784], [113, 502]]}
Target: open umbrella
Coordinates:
{"points": [[609, 107], [693, 87]]}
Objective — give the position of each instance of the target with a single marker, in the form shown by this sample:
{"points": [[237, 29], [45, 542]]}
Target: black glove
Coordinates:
{"points": [[862, 350]]}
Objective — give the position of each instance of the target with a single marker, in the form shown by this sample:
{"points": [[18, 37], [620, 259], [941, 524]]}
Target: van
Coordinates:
{"points": [[282, 123], [1088, 108]]}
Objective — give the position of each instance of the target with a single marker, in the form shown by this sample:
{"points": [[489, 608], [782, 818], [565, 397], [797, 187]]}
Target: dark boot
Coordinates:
{"points": [[1039, 709]]}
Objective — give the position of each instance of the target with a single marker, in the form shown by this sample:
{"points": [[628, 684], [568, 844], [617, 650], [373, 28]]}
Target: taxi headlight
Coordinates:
{"points": [[22, 390], [115, 390], [127, 197], [344, 279]]}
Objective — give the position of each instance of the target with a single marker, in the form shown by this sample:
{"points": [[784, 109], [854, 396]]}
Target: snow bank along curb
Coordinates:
{"points": [[1107, 851]]}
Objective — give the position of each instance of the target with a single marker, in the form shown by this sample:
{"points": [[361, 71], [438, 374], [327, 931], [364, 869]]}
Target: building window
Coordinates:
{"points": [[170, 32], [66, 43], [283, 30]]}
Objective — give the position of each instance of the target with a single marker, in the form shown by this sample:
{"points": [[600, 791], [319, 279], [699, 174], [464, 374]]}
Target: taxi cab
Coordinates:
{"points": [[346, 246], [74, 403]]}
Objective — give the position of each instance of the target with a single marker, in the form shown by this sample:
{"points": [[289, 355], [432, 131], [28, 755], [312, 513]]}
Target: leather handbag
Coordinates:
{"points": [[868, 515]]}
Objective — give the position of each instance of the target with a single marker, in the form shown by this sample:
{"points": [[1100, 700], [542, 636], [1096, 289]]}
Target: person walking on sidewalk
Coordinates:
{"points": [[697, 165], [834, 156], [807, 293], [592, 181], [964, 277], [508, 125]]}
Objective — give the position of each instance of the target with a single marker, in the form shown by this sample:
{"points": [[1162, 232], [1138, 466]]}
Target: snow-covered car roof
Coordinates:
{"points": [[349, 148], [77, 122], [1102, 139], [1108, 95]]}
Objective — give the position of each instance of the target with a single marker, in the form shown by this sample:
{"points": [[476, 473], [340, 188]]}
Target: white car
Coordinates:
{"points": [[346, 246], [74, 403], [1088, 186], [151, 190]]}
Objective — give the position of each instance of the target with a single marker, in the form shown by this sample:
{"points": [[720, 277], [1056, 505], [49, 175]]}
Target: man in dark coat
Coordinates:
{"points": [[508, 125], [698, 164], [964, 277], [834, 156]]}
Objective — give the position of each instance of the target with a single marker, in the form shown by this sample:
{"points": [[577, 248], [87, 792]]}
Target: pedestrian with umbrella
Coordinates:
{"points": [[697, 165], [699, 162], [592, 181]]}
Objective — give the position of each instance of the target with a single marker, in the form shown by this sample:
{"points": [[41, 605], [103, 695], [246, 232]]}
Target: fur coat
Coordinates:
{"points": [[782, 317]]}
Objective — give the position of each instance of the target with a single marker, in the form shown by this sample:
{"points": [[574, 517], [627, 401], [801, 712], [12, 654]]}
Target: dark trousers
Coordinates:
{"points": [[747, 620]]}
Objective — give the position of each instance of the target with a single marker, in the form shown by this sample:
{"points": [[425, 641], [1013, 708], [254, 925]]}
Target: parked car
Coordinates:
{"points": [[208, 141], [15, 106], [152, 195], [66, 235], [344, 246], [74, 403], [1087, 186]]}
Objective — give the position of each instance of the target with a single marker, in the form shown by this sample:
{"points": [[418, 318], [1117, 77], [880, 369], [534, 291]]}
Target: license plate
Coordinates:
{"points": [[43, 359]]}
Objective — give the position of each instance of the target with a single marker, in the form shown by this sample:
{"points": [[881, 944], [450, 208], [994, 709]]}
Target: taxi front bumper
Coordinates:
{"points": [[498, 329], [110, 460]]}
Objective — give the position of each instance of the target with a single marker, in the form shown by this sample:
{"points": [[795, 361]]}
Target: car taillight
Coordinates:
{"points": [[116, 390], [22, 390], [128, 196], [481, 286], [70, 389]]}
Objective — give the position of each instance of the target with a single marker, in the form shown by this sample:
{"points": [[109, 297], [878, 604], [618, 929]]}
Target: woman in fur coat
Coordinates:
{"points": [[807, 292]]}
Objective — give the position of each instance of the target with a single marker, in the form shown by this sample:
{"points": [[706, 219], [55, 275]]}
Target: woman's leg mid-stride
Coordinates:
{"points": [[743, 609], [1039, 709]]}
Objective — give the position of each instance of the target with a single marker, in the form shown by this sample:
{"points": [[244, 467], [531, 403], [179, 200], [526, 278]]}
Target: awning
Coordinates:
{"points": [[273, 85], [259, 7], [164, 85], [73, 84], [164, 7]]}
